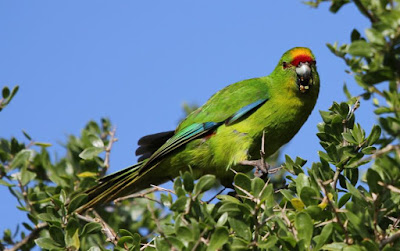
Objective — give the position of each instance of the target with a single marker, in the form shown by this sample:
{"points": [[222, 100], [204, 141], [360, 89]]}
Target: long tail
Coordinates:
{"points": [[113, 186]]}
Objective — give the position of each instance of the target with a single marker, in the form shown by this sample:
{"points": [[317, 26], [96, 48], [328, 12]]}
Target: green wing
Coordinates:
{"points": [[228, 101], [227, 106]]}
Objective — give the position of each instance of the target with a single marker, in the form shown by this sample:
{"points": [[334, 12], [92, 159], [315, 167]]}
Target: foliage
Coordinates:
{"points": [[323, 205]]}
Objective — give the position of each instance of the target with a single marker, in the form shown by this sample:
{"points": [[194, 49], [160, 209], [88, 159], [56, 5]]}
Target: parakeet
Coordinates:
{"points": [[225, 131]]}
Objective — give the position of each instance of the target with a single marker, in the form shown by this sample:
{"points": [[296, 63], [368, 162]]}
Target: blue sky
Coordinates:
{"points": [[136, 62]]}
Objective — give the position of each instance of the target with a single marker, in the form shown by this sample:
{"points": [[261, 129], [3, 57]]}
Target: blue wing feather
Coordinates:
{"points": [[245, 110]]}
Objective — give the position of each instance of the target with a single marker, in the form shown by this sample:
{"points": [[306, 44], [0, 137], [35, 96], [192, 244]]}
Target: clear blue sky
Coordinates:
{"points": [[136, 62]]}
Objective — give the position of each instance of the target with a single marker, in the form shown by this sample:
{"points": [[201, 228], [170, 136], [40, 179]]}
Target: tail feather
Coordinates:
{"points": [[111, 187]]}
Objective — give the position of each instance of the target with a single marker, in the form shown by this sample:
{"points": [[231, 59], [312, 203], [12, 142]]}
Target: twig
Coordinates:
{"points": [[163, 189], [378, 153], [29, 237], [339, 169], [390, 187], [365, 11], [336, 177], [109, 232], [335, 210], [155, 219], [148, 244], [140, 195], [390, 239], [215, 196], [105, 228], [108, 149], [288, 223], [199, 241], [25, 195]]}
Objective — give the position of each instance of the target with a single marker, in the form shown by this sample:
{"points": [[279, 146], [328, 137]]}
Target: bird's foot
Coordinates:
{"points": [[261, 166]]}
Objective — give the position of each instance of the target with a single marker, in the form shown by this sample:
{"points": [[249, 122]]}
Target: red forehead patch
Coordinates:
{"points": [[301, 58]]}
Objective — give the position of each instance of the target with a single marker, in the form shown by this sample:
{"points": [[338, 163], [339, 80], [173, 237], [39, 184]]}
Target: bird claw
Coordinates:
{"points": [[261, 166]]}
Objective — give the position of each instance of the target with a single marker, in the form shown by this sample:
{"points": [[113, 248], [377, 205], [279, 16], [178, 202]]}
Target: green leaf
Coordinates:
{"points": [[358, 224], [125, 240], [257, 185], [162, 244], [335, 246], [368, 150], [91, 227], [46, 243], [373, 178], [124, 232], [180, 204], [21, 158], [95, 141], [360, 48], [309, 196], [87, 174], [205, 183], [226, 197], [349, 138], [301, 181], [185, 234], [188, 182], [26, 135], [336, 5], [57, 235], [26, 176], [6, 92], [5, 183], [77, 201], [269, 243], [42, 144], [355, 35], [346, 91], [305, 227], [375, 36], [342, 201], [324, 236], [91, 152], [48, 217], [222, 220], [354, 192], [72, 235], [358, 133], [218, 238], [240, 227], [13, 92], [242, 181], [267, 195], [374, 135]]}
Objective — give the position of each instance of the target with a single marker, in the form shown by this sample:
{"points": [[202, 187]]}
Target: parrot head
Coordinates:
{"points": [[299, 63]]}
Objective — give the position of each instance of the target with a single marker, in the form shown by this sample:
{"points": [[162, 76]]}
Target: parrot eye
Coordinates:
{"points": [[284, 65]]}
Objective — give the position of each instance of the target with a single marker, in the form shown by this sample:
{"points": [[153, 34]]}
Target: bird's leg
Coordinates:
{"points": [[261, 166], [262, 170]]}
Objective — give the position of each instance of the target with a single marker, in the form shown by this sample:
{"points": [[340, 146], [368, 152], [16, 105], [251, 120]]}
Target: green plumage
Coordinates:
{"points": [[226, 130]]}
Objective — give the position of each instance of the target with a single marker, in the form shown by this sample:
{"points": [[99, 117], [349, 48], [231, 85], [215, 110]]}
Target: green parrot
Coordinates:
{"points": [[225, 132]]}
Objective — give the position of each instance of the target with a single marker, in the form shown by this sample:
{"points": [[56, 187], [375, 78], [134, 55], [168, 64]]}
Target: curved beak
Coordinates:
{"points": [[303, 70], [304, 78]]}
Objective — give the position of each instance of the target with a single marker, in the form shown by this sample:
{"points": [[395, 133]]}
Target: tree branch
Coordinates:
{"points": [[105, 228], [108, 149], [335, 210], [29, 237], [365, 11], [141, 195], [390, 239]]}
